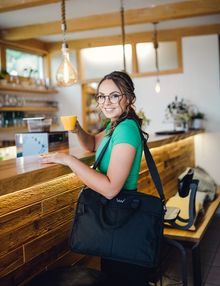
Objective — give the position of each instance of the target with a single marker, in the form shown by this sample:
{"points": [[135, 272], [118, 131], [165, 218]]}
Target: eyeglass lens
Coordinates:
{"points": [[113, 98]]}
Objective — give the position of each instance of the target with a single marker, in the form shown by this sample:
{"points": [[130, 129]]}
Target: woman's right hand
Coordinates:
{"points": [[87, 140], [76, 128]]}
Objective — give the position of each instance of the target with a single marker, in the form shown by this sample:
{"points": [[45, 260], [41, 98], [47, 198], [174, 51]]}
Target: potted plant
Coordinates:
{"points": [[145, 119], [3, 76], [197, 120], [178, 112]]}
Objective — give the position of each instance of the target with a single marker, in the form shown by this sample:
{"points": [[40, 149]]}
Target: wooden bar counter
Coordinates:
{"points": [[37, 205]]}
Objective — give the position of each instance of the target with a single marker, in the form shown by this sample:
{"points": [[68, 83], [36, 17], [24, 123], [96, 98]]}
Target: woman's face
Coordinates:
{"points": [[110, 99]]}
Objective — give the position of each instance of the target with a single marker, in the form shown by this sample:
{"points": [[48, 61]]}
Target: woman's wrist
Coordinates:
{"points": [[71, 161]]}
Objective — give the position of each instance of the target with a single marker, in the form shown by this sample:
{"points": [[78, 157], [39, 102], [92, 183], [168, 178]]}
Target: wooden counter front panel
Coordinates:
{"points": [[35, 222]]}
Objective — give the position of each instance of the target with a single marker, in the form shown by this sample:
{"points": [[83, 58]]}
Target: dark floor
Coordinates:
{"points": [[210, 259]]}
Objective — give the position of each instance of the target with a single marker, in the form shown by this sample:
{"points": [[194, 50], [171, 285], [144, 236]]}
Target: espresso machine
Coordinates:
{"points": [[39, 139], [33, 143]]}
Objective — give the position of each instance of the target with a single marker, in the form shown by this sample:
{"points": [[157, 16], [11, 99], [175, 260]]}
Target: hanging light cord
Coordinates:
{"points": [[63, 21], [156, 45], [123, 33]]}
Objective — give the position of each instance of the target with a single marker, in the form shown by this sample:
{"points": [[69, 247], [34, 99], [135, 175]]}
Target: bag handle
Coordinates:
{"points": [[149, 160], [134, 205]]}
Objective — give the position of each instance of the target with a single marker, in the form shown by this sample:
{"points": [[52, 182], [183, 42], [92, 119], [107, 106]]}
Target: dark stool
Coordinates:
{"points": [[183, 261], [69, 276], [156, 275]]}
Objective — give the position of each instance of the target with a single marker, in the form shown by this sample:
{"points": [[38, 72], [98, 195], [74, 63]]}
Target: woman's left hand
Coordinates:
{"points": [[58, 158]]}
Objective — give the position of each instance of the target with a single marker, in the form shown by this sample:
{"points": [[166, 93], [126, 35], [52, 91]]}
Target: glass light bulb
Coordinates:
{"points": [[66, 74], [157, 86]]}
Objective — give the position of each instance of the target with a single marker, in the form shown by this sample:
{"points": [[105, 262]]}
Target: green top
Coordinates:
{"points": [[126, 132]]}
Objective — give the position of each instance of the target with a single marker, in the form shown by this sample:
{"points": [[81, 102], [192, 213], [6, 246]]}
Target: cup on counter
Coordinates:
{"points": [[69, 122]]}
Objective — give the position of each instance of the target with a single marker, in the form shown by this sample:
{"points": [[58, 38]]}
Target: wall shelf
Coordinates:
{"points": [[27, 89], [92, 117], [18, 102], [92, 109], [12, 129], [35, 109], [20, 128]]}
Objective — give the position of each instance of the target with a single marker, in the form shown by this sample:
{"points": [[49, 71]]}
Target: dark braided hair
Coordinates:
{"points": [[126, 86]]}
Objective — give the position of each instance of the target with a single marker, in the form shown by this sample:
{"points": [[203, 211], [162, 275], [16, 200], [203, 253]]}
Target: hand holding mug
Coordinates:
{"points": [[69, 122]]}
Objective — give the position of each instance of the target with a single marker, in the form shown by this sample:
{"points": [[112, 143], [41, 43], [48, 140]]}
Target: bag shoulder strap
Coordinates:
{"points": [[98, 160], [153, 169], [149, 160]]}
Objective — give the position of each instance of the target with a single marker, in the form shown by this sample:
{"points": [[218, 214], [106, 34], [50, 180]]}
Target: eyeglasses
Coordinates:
{"points": [[112, 97]]}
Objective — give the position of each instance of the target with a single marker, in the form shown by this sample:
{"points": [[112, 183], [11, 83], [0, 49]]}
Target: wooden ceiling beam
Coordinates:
{"points": [[10, 5], [30, 45], [163, 35], [138, 16]]}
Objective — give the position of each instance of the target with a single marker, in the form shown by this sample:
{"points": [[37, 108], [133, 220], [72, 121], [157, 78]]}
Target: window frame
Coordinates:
{"points": [[32, 49], [179, 68], [135, 71]]}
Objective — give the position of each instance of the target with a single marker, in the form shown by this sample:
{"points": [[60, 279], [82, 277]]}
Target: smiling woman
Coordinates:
{"points": [[120, 165]]}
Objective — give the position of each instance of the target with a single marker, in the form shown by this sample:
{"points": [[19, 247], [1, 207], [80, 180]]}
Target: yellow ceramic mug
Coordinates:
{"points": [[69, 122]]}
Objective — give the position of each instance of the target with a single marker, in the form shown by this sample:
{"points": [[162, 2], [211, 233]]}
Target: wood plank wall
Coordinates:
{"points": [[35, 222]]}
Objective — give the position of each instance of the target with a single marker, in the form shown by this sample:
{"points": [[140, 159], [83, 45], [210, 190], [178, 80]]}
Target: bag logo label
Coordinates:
{"points": [[121, 201]]}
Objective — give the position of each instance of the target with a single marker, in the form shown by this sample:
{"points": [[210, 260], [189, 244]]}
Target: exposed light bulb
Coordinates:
{"points": [[157, 86], [66, 74]]}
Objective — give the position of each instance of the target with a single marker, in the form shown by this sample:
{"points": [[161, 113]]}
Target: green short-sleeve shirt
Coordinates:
{"points": [[126, 132]]}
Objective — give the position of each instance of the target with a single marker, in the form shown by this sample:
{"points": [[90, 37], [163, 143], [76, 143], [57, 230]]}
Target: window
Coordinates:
{"points": [[99, 61], [140, 59], [20, 63], [167, 56]]}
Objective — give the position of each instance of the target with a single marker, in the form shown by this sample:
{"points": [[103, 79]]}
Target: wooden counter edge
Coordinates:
{"points": [[18, 180], [28, 179], [159, 140]]}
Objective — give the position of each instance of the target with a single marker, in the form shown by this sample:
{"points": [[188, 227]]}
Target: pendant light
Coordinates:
{"points": [[156, 46], [66, 73], [123, 34]]}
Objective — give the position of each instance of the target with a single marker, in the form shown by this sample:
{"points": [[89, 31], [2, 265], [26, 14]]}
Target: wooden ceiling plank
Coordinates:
{"points": [[163, 35], [173, 11], [145, 15], [10, 5]]}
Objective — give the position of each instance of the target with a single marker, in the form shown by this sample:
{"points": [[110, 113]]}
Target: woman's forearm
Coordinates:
{"points": [[93, 179], [106, 184]]}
